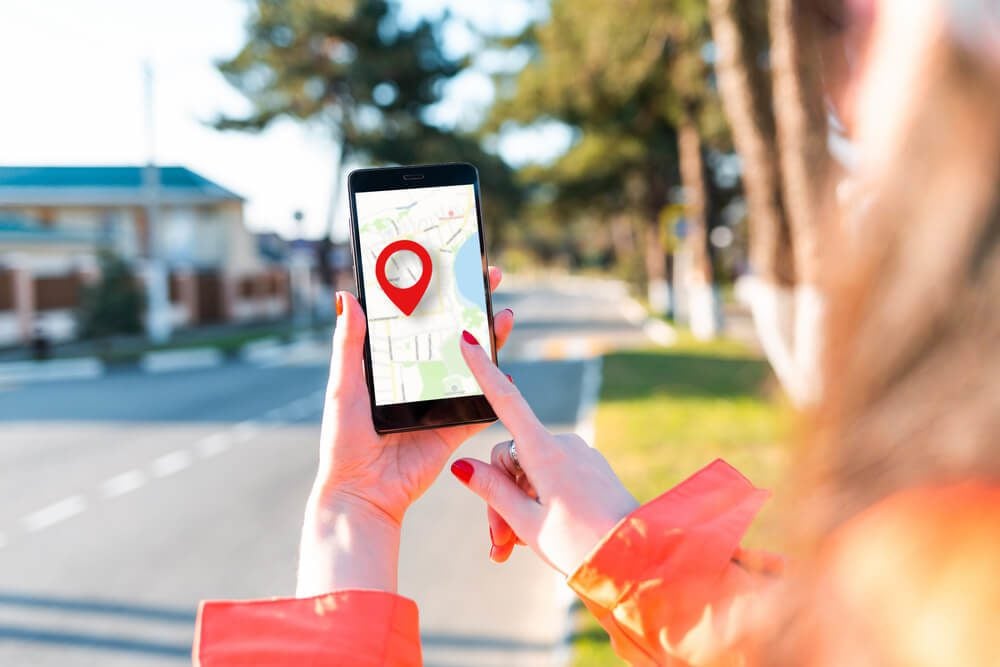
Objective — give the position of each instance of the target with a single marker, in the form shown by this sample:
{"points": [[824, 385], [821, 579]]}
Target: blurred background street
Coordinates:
{"points": [[132, 496], [173, 228]]}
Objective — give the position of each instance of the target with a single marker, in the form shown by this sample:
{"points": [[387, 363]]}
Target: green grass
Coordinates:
{"points": [[665, 413]]}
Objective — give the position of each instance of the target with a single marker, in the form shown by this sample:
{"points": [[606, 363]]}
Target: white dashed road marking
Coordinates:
{"points": [[124, 483], [171, 463], [246, 430], [54, 513], [213, 445]]}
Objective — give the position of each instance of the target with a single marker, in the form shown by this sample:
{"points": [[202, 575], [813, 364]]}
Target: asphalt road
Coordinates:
{"points": [[126, 499]]}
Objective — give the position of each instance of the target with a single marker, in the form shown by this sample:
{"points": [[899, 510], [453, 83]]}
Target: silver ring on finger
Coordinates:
{"points": [[512, 450]]}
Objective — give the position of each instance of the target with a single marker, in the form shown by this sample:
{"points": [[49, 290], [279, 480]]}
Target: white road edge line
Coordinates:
{"points": [[54, 513], [171, 463], [124, 483], [590, 393]]}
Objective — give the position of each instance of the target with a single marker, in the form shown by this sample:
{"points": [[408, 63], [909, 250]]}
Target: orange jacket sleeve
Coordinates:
{"points": [[350, 627], [670, 583]]}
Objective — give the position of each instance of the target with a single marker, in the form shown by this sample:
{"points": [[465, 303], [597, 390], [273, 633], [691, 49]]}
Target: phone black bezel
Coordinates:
{"points": [[438, 413]]}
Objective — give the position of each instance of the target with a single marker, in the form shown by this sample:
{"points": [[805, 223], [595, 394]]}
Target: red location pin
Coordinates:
{"points": [[405, 298]]}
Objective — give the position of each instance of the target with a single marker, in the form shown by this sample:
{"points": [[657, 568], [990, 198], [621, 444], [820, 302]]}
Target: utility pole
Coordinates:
{"points": [[148, 85], [300, 270], [154, 271]]}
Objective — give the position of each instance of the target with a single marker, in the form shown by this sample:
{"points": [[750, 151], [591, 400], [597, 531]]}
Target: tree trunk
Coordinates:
{"points": [[698, 279], [746, 98], [622, 238], [695, 199], [657, 285], [658, 289], [800, 118]]}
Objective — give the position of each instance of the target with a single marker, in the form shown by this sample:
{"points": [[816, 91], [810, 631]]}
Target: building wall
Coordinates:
{"points": [[209, 253], [184, 235]]}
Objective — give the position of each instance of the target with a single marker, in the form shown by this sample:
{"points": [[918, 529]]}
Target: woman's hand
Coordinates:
{"points": [[560, 497], [367, 481]]}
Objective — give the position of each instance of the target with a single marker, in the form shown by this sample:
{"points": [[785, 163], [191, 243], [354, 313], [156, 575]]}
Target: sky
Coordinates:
{"points": [[73, 85]]}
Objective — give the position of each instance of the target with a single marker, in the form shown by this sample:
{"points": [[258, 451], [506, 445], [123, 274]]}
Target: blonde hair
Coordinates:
{"points": [[912, 385]]}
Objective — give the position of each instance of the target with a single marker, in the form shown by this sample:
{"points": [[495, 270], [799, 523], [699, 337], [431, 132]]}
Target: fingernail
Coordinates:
{"points": [[510, 310], [510, 379], [493, 542], [469, 338], [340, 303], [462, 470], [493, 550]]}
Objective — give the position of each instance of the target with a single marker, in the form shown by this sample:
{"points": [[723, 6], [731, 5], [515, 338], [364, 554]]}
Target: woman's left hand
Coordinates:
{"points": [[366, 481]]}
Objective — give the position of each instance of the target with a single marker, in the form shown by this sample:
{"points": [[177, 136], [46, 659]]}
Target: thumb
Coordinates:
{"points": [[494, 485], [347, 369]]}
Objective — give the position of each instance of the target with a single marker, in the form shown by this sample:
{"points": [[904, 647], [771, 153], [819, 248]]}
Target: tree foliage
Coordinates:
{"points": [[624, 76], [114, 304], [351, 65]]}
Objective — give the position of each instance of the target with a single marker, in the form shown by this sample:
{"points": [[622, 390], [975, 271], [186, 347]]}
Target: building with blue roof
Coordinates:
{"points": [[164, 220]]}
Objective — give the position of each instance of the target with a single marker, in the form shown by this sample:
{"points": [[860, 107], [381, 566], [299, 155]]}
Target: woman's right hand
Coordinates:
{"points": [[560, 497]]}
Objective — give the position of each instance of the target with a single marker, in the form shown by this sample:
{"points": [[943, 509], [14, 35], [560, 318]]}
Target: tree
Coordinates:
{"points": [[622, 79], [114, 304], [351, 66], [800, 117], [779, 128], [695, 109], [740, 31]]}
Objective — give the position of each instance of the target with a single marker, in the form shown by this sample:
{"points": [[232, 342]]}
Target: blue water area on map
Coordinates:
{"points": [[469, 273]]}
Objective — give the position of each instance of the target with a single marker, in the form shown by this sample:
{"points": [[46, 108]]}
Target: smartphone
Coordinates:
{"points": [[421, 270]]}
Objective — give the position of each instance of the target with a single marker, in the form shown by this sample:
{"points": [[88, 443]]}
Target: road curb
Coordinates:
{"points": [[265, 352], [82, 368], [166, 361]]}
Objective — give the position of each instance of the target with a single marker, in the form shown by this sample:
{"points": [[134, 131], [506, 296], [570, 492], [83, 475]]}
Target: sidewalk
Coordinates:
{"points": [[226, 337], [254, 346]]}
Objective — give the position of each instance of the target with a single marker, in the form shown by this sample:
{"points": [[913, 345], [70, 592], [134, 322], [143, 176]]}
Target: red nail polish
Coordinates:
{"points": [[340, 304], [510, 379], [493, 542], [493, 551], [469, 338], [462, 470]]}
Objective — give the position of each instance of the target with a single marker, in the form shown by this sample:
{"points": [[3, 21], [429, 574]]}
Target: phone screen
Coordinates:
{"points": [[423, 276]]}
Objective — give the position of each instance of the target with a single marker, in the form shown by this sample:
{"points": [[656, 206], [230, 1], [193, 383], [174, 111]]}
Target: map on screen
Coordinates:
{"points": [[404, 236]]}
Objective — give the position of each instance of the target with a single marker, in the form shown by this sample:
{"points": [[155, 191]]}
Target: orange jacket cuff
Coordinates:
{"points": [[691, 532], [356, 627]]}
